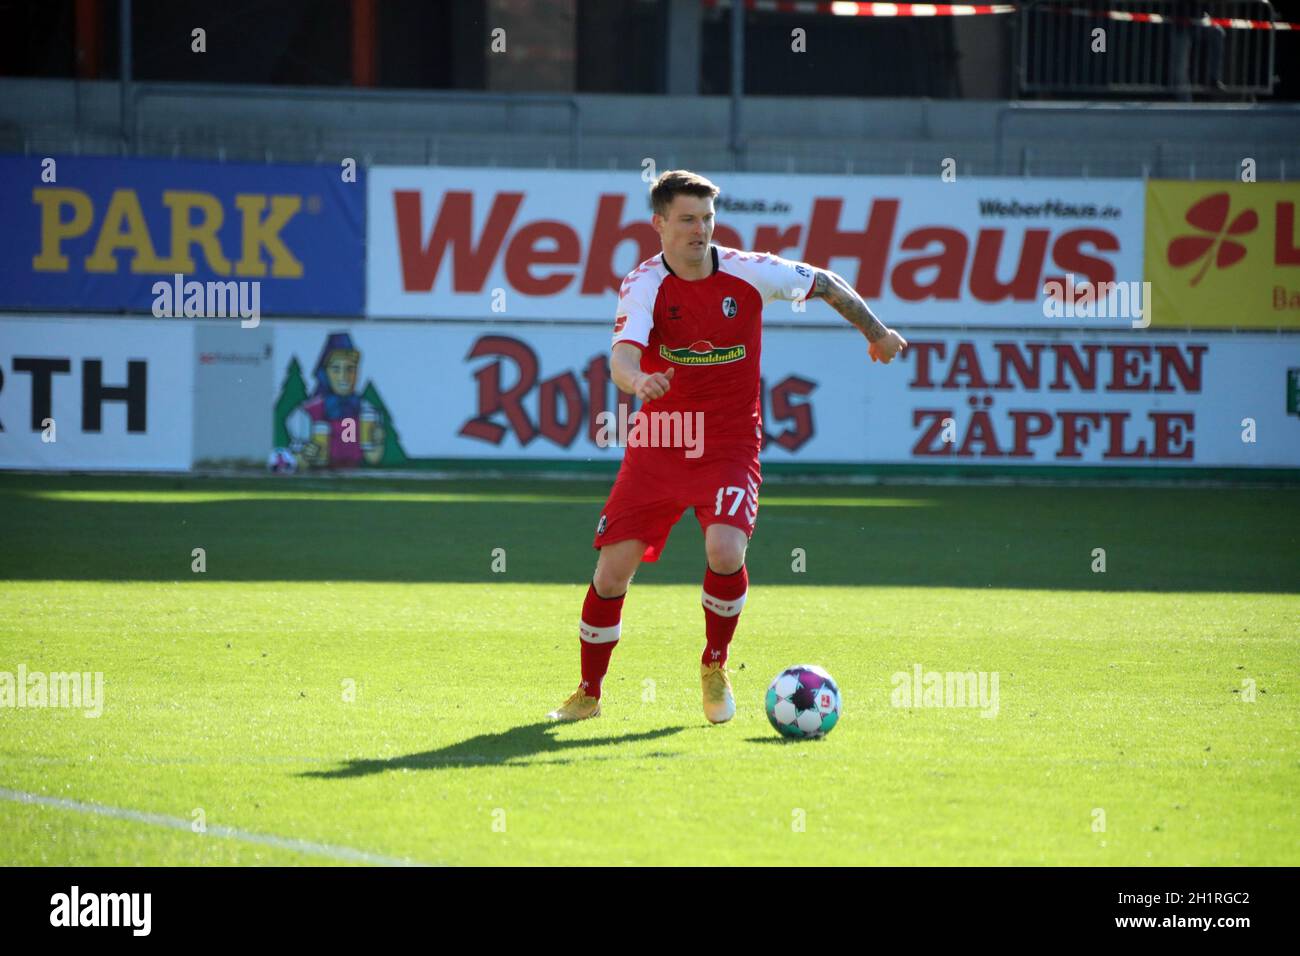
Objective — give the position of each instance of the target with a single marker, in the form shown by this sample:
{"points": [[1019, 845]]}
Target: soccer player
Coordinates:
{"points": [[687, 336]]}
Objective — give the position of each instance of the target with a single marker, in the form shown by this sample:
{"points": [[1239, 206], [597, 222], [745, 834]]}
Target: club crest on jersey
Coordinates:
{"points": [[729, 307], [703, 352]]}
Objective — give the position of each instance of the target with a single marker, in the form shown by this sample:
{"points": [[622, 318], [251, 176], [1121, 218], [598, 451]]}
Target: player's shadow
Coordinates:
{"points": [[507, 747]]}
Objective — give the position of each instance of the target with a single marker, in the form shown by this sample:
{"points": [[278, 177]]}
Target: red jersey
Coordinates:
{"points": [[711, 332]]}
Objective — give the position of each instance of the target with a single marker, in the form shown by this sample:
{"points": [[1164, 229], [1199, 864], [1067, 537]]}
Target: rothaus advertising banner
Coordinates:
{"points": [[179, 238], [96, 393], [1224, 254], [554, 245], [413, 394]]}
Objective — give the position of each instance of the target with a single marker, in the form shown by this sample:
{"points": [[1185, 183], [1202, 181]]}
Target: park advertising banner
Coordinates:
{"points": [[96, 394], [417, 394], [178, 238], [1223, 254], [554, 245]]}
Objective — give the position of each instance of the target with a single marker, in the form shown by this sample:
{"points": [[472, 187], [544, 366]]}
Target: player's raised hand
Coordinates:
{"points": [[653, 385], [884, 350]]}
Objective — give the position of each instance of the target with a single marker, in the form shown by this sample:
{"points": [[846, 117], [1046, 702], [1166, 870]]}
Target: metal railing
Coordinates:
{"points": [[1017, 151], [359, 100], [1113, 46], [1154, 158]]}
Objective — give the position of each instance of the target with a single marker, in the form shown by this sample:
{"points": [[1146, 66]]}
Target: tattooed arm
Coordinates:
{"points": [[844, 299]]}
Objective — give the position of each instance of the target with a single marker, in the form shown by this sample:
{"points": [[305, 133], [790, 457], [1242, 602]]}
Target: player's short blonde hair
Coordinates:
{"points": [[675, 182]]}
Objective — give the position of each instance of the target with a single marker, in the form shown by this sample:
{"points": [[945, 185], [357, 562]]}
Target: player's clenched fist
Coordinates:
{"points": [[653, 385], [884, 350]]}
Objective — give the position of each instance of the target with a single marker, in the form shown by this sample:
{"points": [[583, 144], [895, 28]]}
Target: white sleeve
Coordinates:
{"points": [[634, 319], [780, 279]]}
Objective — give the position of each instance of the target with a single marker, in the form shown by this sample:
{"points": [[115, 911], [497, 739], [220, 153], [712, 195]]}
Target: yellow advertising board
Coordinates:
{"points": [[1223, 255]]}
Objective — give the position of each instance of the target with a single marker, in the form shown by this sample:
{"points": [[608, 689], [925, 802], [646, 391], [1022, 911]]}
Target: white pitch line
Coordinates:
{"points": [[230, 833]]}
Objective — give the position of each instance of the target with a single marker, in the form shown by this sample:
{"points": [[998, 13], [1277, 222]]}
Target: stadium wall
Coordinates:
{"points": [[823, 135]]}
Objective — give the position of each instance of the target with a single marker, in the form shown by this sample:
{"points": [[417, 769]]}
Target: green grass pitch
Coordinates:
{"points": [[350, 676]]}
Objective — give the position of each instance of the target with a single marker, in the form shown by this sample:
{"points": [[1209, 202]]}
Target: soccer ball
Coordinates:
{"points": [[281, 462], [803, 702]]}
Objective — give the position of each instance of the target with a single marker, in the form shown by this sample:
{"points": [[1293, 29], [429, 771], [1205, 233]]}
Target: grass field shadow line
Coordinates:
{"points": [[514, 744], [448, 532]]}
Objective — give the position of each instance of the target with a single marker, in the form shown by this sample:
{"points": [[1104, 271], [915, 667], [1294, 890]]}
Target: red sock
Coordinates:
{"points": [[723, 597], [598, 634]]}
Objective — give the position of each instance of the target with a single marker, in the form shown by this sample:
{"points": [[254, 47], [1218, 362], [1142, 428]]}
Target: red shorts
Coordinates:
{"points": [[654, 487]]}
